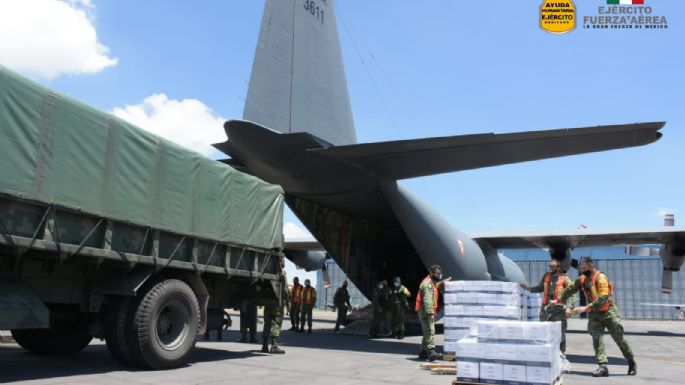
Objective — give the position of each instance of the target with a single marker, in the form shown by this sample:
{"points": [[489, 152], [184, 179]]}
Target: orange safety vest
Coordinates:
{"points": [[419, 299], [296, 293], [593, 290], [559, 287], [309, 295]]}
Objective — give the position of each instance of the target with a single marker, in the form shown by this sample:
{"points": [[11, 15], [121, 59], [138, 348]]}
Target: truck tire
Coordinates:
{"points": [[65, 337], [118, 326], [166, 324]]}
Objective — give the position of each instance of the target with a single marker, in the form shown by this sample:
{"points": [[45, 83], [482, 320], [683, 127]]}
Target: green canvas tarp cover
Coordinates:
{"points": [[55, 150]]}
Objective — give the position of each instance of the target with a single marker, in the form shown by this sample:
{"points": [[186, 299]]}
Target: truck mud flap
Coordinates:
{"points": [[20, 307]]}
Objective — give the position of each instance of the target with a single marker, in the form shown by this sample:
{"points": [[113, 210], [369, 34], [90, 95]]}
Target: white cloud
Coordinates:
{"points": [[187, 122], [291, 230], [47, 38]]}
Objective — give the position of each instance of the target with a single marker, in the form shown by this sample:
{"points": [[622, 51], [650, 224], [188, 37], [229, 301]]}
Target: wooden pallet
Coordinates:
{"points": [[434, 365], [455, 382], [449, 357]]}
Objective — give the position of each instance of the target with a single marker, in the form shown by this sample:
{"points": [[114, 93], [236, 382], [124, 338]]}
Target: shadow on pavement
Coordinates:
{"points": [[16, 364]]}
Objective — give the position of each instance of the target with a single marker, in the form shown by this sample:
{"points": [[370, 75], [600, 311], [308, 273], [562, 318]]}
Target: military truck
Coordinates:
{"points": [[110, 232]]}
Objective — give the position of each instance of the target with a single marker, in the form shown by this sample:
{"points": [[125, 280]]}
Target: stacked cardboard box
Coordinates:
{"points": [[510, 353], [533, 305], [470, 301]]}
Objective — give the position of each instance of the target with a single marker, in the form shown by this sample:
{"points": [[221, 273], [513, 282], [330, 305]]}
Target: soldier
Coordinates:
{"points": [[341, 301], [378, 303], [427, 307], [548, 312], [603, 313], [273, 317], [398, 302], [295, 303], [308, 301], [248, 321]]}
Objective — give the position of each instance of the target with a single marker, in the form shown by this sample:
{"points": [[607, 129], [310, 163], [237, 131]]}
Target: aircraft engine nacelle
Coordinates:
{"points": [[306, 259], [672, 257], [563, 255]]}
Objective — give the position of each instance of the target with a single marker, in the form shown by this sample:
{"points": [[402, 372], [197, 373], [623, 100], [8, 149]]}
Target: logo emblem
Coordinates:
{"points": [[557, 16], [461, 245]]}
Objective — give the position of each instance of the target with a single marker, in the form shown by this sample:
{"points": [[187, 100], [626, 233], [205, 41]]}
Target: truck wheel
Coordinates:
{"points": [[65, 337], [166, 325], [118, 320]]}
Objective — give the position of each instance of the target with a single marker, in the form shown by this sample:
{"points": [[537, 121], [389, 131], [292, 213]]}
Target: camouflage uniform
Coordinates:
{"points": [[599, 320], [378, 302], [426, 307], [341, 300], [555, 313], [273, 319], [397, 303]]}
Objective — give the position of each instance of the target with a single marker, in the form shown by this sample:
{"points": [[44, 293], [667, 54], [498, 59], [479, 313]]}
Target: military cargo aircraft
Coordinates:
{"points": [[297, 131]]}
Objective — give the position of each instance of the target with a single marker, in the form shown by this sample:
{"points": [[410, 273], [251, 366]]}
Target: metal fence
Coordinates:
{"points": [[337, 276], [637, 280]]}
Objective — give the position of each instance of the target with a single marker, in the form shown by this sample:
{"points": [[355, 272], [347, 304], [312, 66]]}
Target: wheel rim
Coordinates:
{"points": [[172, 325]]}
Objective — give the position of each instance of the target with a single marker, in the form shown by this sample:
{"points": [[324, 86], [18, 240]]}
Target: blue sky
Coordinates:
{"points": [[437, 68]]}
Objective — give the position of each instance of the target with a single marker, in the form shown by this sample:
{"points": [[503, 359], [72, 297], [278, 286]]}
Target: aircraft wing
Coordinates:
{"points": [[581, 238], [420, 157], [303, 244]]}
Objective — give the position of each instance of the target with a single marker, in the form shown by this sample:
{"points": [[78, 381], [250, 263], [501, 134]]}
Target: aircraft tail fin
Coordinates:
{"points": [[298, 80]]}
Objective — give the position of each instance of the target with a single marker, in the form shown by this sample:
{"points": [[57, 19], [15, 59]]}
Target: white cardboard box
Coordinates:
{"points": [[509, 300], [490, 373], [502, 352], [538, 332], [453, 286], [538, 353], [514, 373], [449, 347], [450, 298], [451, 322], [539, 375], [454, 310], [512, 330], [468, 371], [455, 334], [488, 298], [472, 310], [488, 330], [470, 348], [463, 298]]}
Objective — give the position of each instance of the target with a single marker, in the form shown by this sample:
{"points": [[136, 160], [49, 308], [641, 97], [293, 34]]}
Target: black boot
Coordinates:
{"points": [[433, 355], [400, 335], [301, 329], [243, 337], [265, 348], [219, 335], [423, 355], [310, 329], [632, 368], [602, 371]]}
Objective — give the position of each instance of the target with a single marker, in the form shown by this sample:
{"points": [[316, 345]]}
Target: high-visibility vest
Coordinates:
{"points": [[593, 290], [558, 288], [309, 295], [296, 293], [419, 298]]}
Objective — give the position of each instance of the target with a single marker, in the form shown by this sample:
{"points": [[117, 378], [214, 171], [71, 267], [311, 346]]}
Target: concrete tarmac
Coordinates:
{"points": [[338, 359]]}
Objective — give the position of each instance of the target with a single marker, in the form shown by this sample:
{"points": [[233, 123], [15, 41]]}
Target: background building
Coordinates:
{"points": [[637, 280]]}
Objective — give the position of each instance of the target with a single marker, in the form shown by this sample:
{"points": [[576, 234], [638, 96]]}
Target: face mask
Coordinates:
{"points": [[397, 284], [587, 273]]}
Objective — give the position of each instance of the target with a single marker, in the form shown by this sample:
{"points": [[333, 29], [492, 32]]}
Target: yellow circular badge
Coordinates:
{"points": [[557, 16]]}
